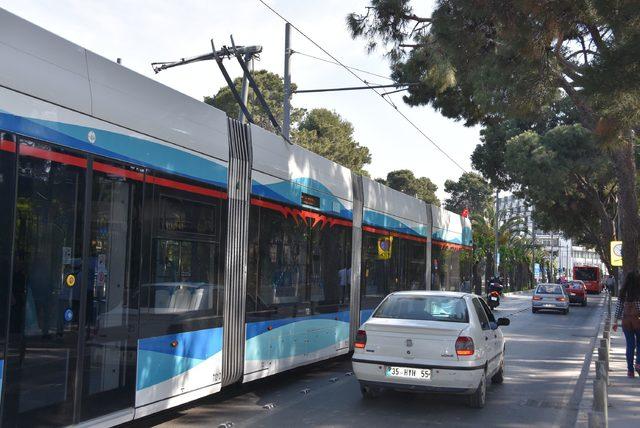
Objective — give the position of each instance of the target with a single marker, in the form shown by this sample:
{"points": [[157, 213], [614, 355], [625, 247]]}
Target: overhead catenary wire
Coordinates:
{"points": [[340, 65], [337, 61]]}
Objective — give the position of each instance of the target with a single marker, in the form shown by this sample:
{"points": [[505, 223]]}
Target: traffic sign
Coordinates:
{"points": [[616, 253], [385, 247]]}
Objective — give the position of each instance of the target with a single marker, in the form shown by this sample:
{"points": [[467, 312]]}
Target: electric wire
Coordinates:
{"points": [[338, 64], [416, 127]]}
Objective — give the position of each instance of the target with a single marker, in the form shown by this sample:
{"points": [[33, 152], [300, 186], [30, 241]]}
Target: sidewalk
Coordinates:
{"points": [[624, 392]]}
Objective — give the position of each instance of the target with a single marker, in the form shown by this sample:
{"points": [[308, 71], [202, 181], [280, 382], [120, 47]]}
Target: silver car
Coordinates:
{"points": [[550, 297]]}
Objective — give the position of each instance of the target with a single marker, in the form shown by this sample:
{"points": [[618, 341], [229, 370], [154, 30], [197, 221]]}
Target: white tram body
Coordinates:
{"points": [[155, 251]]}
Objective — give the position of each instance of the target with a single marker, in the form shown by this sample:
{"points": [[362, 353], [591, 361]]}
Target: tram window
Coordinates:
{"points": [[278, 265], [330, 268], [398, 265], [296, 268], [186, 216], [450, 268], [7, 177], [183, 289]]}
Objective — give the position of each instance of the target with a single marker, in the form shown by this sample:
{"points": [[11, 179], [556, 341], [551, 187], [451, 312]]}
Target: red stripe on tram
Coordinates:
{"points": [[187, 187], [52, 156], [31, 151], [8, 146], [341, 222], [409, 237], [385, 232], [376, 230], [109, 169], [295, 213], [450, 245]]}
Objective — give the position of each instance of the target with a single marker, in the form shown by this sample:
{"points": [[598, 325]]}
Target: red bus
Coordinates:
{"points": [[590, 275]]}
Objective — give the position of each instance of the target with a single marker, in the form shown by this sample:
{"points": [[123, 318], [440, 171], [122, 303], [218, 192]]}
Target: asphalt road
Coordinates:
{"points": [[546, 362]]}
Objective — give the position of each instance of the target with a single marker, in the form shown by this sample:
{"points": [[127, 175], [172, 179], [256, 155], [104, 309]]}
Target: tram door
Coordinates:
{"points": [[72, 326], [111, 315]]}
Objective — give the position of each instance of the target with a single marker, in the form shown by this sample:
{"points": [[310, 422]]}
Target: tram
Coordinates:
{"points": [[154, 251]]}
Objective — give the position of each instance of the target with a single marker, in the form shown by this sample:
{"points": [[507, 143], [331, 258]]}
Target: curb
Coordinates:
{"points": [[585, 404]]}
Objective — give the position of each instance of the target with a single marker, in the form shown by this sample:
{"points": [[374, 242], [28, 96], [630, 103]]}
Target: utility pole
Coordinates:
{"points": [[286, 121], [248, 58], [619, 238], [533, 247], [497, 232]]}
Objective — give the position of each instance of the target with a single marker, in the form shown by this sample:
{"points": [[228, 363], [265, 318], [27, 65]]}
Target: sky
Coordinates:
{"points": [[145, 31]]}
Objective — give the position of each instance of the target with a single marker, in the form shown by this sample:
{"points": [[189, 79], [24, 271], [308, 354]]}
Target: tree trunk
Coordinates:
{"points": [[624, 160], [489, 267], [477, 278]]}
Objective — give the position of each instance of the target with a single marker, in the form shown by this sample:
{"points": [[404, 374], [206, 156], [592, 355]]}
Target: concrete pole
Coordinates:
{"points": [[248, 58], [286, 120], [600, 402], [533, 248], [497, 231]]}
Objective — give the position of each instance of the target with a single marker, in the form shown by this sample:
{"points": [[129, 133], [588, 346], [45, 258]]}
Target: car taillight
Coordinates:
{"points": [[464, 346], [495, 294], [561, 299], [361, 339], [537, 298]]}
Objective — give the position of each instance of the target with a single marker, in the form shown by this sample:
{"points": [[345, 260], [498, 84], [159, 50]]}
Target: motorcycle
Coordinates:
{"points": [[493, 299], [493, 294]]}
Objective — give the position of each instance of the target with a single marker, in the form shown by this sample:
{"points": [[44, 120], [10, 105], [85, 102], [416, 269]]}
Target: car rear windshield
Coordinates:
{"points": [[424, 308], [576, 286], [549, 289]]}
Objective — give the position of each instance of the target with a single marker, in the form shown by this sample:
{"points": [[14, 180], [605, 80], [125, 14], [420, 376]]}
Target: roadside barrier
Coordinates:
{"points": [[598, 416]]}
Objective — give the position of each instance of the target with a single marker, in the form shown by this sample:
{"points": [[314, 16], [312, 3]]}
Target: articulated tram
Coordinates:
{"points": [[154, 251]]}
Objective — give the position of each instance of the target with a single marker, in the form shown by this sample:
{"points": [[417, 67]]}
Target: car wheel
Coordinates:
{"points": [[566, 311], [478, 399], [498, 378], [369, 392], [584, 302], [534, 310]]}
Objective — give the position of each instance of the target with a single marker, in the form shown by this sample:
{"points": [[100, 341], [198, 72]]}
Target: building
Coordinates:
{"points": [[560, 249]]}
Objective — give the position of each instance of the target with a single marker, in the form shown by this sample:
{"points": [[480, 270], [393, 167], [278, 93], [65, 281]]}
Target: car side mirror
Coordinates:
{"points": [[504, 321]]}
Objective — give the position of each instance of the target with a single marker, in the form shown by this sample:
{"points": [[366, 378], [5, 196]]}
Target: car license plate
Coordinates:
{"points": [[408, 372], [573, 294], [548, 306], [494, 298]]}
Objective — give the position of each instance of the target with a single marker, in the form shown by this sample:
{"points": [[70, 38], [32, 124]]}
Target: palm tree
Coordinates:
{"points": [[514, 243]]}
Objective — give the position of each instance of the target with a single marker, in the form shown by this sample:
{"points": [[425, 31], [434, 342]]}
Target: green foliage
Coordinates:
{"points": [[514, 244], [320, 130], [271, 86], [566, 177], [488, 157], [496, 61], [324, 132], [471, 191], [405, 181]]}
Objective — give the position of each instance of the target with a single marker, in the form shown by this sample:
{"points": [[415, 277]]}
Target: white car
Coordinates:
{"points": [[432, 341]]}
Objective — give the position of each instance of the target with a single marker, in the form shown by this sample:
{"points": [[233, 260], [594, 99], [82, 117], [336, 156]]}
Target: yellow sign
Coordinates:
{"points": [[71, 281], [384, 247], [616, 253]]}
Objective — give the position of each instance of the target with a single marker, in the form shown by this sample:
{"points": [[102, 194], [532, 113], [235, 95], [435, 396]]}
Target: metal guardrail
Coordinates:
{"points": [[598, 416]]}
